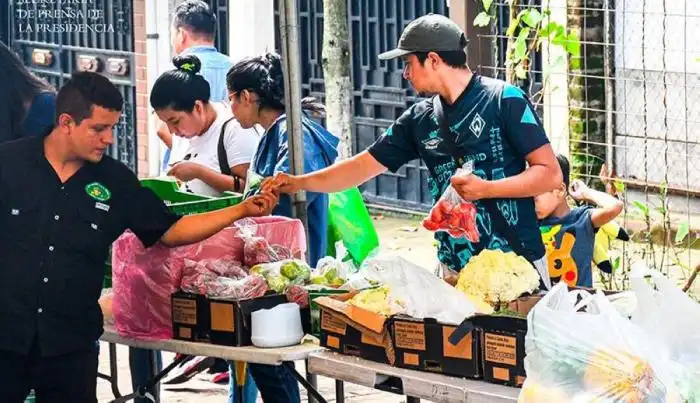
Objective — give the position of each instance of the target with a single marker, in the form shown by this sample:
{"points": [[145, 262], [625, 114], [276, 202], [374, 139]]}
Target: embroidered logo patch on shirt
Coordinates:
{"points": [[98, 192], [477, 125]]}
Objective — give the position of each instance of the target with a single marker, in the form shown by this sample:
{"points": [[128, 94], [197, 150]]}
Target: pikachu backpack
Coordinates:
{"points": [[601, 247]]}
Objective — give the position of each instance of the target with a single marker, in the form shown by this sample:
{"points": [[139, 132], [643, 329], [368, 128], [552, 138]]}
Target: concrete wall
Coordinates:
{"points": [[657, 93]]}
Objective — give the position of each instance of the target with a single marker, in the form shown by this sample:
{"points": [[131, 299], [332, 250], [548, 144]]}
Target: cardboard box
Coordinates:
{"points": [[424, 344], [338, 336], [503, 340], [348, 329], [315, 310], [189, 312], [217, 321], [503, 348]]}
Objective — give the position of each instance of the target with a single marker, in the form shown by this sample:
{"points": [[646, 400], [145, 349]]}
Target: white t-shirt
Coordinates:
{"points": [[240, 145]]}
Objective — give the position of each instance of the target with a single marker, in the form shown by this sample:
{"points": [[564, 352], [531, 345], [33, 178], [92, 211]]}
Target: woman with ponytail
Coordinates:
{"points": [[256, 92], [211, 152]]}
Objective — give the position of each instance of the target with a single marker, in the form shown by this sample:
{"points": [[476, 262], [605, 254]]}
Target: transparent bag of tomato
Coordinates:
{"points": [[453, 214]]}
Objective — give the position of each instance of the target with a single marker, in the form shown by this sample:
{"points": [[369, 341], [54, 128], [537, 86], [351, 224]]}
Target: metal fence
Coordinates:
{"points": [[623, 110]]}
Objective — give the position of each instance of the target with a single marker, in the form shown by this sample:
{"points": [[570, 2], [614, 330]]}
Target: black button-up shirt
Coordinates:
{"points": [[54, 241]]}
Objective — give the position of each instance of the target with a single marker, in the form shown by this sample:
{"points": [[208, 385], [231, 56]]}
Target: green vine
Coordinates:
{"points": [[528, 28]]}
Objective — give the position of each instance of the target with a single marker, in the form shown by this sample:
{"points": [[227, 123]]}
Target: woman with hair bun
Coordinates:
{"points": [[211, 151], [210, 154], [256, 92]]}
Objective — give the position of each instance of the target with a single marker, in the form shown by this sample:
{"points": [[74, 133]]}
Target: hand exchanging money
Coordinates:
{"points": [[261, 204], [281, 183]]}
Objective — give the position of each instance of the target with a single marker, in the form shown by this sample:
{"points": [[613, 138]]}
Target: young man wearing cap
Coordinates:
{"points": [[485, 121]]}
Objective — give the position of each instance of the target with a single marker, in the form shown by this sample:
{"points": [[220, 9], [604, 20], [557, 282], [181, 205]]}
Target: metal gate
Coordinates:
{"points": [[380, 92], [57, 38], [220, 8], [4, 23]]}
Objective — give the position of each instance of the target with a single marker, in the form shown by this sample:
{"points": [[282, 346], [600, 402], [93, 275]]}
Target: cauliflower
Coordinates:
{"points": [[496, 277]]}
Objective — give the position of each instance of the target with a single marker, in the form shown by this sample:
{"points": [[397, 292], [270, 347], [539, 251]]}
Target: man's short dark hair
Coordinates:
{"points": [[455, 59], [565, 168], [197, 17], [84, 90]]}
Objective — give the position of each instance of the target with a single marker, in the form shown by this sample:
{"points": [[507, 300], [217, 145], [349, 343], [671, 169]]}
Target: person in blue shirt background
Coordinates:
{"points": [[256, 93], [28, 102], [193, 33]]}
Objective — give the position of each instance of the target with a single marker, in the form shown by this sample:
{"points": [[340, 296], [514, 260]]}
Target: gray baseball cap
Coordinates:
{"points": [[429, 33]]}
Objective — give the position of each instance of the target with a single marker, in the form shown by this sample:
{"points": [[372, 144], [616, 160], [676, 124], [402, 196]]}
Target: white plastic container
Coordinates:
{"points": [[277, 327]]}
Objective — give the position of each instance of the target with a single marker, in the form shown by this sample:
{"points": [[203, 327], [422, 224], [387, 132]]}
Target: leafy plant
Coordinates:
{"points": [[528, 28]]}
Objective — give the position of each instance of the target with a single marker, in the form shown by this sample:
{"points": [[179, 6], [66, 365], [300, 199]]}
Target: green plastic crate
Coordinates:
{"points": [[184, 203]]}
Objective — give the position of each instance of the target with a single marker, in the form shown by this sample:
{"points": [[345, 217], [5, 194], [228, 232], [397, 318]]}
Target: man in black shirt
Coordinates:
{"points": [[62, 203]]}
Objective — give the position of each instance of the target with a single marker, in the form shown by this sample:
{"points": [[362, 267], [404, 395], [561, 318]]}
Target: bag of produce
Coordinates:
{"points": [[298, 294], [331, 272], [221, 278], [454, 215], [672, 319], [418, 291], [258, 249], [281, 274], [580, 349]]}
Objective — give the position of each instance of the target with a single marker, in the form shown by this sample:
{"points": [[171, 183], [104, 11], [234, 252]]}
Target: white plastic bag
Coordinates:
{"points": [[580, 349], [421, 293], [672, 320], [331, 271]]}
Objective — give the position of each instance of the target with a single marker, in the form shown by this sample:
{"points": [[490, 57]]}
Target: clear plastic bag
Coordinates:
{"points": [[238, 289], [221, 278], [298, 294], [672, 320], [580, 349], [357, 281], [331, 272], [453, 214], [416, 289], [258, 249], [281, 274]]}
